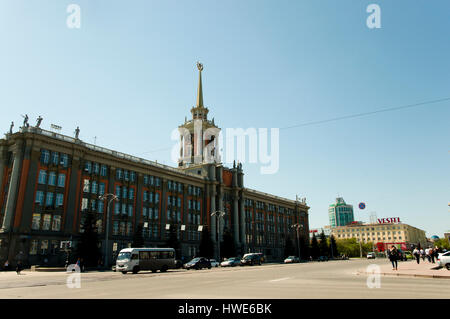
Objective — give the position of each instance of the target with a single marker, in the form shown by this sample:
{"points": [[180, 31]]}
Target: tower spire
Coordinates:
{"points": [[200, 89]]}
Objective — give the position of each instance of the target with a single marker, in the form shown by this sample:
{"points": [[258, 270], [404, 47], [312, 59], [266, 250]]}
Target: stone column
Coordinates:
{"points": [[213, 218], [242, 224], [236, 218], [13, 187]]}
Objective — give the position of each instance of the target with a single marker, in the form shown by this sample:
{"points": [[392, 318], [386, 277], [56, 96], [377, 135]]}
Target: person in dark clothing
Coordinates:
{"points": [[416, 254], [393, 257], [19, 267]]}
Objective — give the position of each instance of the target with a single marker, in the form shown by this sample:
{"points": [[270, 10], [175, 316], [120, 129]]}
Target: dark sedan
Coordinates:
{"points": [[198, 263]]}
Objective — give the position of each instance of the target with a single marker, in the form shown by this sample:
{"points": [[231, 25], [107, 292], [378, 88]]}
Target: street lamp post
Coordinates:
{"points": [[112, 198], [219, 214], [297, 227]]}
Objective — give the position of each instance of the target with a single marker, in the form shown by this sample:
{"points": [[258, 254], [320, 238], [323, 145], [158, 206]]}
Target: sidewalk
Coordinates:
{"points": [[412, 269]]}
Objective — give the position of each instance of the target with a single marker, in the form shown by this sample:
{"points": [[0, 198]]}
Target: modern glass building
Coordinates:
{"points": [[340, 213]]}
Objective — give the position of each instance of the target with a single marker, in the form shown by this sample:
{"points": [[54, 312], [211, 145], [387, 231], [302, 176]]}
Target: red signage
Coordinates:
{"points": [[390, 220], [313, 231]]}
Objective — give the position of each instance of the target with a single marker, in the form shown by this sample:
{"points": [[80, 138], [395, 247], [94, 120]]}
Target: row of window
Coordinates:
{"points": [[95, 205], [44, 248], [174, 186], [150, 197], [46, 222], [54, 158], [96, 168], [174, 201], [152, 181], [150, 212], [194, 190], [123, 174], [124, 192], [93, 187], [123, 209], [51, 178], [174, 216], [50, 199]]}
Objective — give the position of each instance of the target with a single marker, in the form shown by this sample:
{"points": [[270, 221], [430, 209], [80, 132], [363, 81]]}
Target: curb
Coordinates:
{"points": [[408, 275]]}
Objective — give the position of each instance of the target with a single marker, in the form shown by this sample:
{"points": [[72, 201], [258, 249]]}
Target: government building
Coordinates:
{"points": [[49, 182]]}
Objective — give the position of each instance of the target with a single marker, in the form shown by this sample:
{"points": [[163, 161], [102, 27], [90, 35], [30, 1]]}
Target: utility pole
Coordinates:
{"points": [[108, 209], [297, 227]]}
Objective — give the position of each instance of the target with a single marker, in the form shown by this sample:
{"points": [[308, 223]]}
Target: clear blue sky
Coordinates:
{"points": [[128, 77]]}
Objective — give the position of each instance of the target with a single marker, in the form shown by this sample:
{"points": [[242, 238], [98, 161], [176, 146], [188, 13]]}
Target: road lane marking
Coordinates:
{"points": [[280, 279]]}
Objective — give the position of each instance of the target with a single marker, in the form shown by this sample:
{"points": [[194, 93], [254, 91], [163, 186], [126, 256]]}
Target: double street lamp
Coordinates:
{"points": [[298, 227], [219, 214], [112, 198]]}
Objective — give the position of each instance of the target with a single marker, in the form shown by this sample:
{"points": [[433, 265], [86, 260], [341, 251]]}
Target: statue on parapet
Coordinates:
{"points": [[39, 121], [25, 121], [77, 132], [11, 128]]}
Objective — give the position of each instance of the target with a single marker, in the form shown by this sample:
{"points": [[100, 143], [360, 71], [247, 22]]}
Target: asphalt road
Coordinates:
{"points": [[334, 279]]}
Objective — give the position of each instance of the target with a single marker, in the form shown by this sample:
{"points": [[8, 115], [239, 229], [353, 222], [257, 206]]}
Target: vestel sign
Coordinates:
{"points": [[390, 220]]}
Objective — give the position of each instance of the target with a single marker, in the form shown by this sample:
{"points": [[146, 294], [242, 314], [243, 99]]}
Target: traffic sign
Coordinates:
{"points": [[362, 205]]}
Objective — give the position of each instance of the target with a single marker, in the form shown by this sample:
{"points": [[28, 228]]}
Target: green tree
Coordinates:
{"points": [[206, 248], [227, 246], [349, 247], [138, 238], [323, 245], [304, 248], [333, 247], [315, 250], [289, 248], [442, 243], [87, 247]]}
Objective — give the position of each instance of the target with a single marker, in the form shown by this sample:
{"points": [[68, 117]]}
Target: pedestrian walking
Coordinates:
{"points": [[19, 267], [431, 252], [422, 254], [393, 257], [427, 254], [6, 266], [416, 254]]}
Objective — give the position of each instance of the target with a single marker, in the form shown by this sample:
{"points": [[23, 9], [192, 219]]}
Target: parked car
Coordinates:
{"points": [[371, 255], [231, 262], [443, 260], [214, 263], [260, 255], [323, 258], [251, 259], [291, 259], [408, 255], [198, 263]]}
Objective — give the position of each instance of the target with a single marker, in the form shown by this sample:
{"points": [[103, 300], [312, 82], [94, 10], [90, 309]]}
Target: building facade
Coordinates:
{"points": [[340, 213], [383, 235], [49, 182]]}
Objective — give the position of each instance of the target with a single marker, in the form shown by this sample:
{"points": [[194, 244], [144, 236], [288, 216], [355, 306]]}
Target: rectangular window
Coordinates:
{"points": [[88, 167], [34, 247], [56, 226], [96, 168], [151, 198], [131, 194], [64, 161], [35, 225], [49, 199], [101, 189], [133, 176], [86, 183], [55, 158], [116, 208], [144, 211], [152, 180], [46, 222], [45, 156], [116, 228], [94, 187], [59, 200], [145, 179], [145, 197], [52, 179], [100, 206], [130, 210], [118, 191], [61, 180], [84, 203], [157, 198], [42, 179], [124, 209], [103, 171], [39, 198], [119, 174], [124, 192], [126, 175]]}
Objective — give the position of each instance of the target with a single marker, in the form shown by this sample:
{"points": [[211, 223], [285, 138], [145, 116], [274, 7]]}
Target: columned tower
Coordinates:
{"points": [[199, 136]]}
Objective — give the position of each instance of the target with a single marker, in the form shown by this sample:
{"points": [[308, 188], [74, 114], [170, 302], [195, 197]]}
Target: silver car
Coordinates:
{"points": [[444, 260], [214, 263]]}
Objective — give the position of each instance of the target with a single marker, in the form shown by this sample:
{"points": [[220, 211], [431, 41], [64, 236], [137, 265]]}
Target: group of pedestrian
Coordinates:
{"points": [[429, 253]]}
